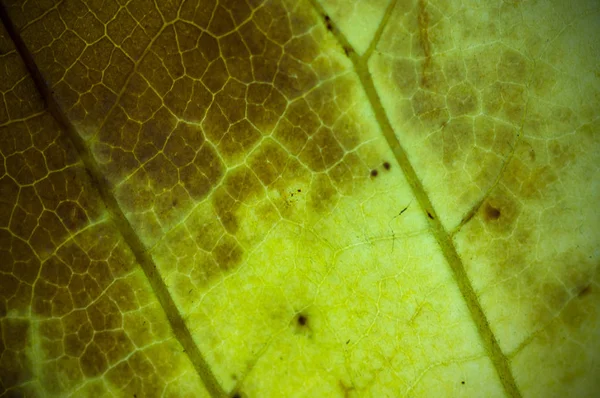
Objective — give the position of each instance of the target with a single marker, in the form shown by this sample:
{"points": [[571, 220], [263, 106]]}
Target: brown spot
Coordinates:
{"points": [[387, 165], [585, 291], [491, 213], [429, 215], [374, 173], [302, 320], [328, 23]]}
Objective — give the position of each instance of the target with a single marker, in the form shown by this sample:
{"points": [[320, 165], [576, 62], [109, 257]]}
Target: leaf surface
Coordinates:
{"points": [[299, 198]]}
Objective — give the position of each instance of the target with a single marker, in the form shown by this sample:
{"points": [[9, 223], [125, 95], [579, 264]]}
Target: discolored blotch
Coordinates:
{"points": [[322, 195], [182, 144], [72, 215], [294, 78], [162, 174], [138, 101], [122, 293], [84, 289], [506, 101], [153, 135], [26, 263], [8, 285], [221, 22], [140, 364], [238, 141], [104, 314], [25, 215], [240, 185], [227, 253], [243, 186], [203, 174], [26, 167], [9, 192], [14, 370], [490, 213], [73, 345], [56, 272], [513, 67], [15, 333], [114, 344], [585, 291], [237, 57], [62, 303], [322, 150], [216, 76], [204, 226], [430, 108], [500, 212], [269, 161], [120, 375], [93, 362], [462, 99], [264, 106]]}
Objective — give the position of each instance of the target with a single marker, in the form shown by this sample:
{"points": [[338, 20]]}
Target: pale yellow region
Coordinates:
{"points": [[374, 298], [537, 280], [370, 309], [357, 20]]}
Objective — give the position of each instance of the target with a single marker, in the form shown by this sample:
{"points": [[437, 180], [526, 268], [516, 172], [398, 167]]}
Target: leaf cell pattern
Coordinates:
{"points": [[265, 198]]}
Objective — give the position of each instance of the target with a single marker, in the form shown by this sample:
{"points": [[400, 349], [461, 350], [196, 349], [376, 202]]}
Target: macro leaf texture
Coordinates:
{"points": [[247, 198]]}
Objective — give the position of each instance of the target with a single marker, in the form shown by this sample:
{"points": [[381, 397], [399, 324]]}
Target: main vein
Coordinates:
{"points": [[176, 321], [443, 238]]}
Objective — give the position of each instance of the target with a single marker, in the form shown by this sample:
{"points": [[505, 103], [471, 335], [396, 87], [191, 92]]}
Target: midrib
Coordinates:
{"points": [[443, 238]]}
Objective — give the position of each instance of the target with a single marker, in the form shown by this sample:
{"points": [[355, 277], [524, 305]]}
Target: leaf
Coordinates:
{"points": [[383, 198]]}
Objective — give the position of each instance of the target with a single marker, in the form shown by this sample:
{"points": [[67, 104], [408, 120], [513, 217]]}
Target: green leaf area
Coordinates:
{"points": [[299, 198]]}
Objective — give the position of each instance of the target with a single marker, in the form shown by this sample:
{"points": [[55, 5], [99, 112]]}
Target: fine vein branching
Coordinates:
{"points": [[117, 216], [444, 239]]}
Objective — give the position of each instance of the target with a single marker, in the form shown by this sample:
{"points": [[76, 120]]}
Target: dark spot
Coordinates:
{"points": [[347, 51], [387, 165], [299, 190], [462, 382], [328, 23], [236, 395], [585, 291], [429, 215], [174, 202], [490, 213], [302, 320], [374, 173], [348, 342]]}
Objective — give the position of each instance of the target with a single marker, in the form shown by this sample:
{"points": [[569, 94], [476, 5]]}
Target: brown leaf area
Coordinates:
{"points": [[186, 151]]}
